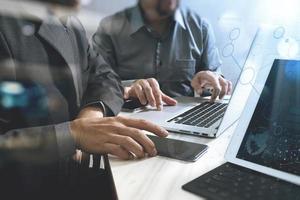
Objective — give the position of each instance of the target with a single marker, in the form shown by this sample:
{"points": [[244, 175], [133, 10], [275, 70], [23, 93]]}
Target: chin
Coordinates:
{"points": [[166, 12], [168, 7]]}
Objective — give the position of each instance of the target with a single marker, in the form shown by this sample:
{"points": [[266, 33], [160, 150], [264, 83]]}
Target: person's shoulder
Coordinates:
{"points": [[117, 16], [116, 20]]}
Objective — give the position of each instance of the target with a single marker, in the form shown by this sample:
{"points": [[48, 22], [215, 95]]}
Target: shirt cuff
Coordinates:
{"points": [[65, 142], [101, 105]]}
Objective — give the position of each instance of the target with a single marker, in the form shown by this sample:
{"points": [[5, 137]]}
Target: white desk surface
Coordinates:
{"points": [[161, 178]]}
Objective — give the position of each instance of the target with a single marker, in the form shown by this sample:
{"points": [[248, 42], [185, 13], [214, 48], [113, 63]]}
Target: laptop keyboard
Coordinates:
{"points": [[233, 182], [203, 115]]}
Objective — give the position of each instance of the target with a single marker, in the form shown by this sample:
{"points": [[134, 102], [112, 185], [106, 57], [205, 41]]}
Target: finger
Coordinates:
{"points": [[148, 92], [214, 82], [199, 83], [118, 151], [126, 96], [143, 125], [156, 93], [208, 78], [140, 137], [140, 94], [224, 87], [199, 91], [229, 88], [196, 85], [215, 94], [126, 92], [168, 100], [128, 143]]}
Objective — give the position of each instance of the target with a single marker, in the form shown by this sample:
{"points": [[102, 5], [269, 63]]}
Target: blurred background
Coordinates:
{"points": [[235, 23]]}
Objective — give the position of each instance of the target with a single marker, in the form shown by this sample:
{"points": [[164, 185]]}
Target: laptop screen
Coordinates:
{"points": [[272, 138]]}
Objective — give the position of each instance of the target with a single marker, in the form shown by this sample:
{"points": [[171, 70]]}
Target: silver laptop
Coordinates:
{"points": [[195, 116], [199, 117]]}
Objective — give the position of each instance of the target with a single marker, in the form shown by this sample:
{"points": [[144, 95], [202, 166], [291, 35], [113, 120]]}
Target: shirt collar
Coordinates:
{"points": [[137, 20], [178, 17]]}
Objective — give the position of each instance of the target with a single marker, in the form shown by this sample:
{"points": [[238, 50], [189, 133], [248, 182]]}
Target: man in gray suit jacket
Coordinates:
{"points": [[82, 91], [57, 95]]}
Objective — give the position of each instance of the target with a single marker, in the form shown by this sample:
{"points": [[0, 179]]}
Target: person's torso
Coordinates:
{"points": [[172, 59]]}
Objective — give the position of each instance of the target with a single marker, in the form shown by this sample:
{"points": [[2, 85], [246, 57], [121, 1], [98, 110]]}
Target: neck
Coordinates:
{"points": [[159, 23], [60, 11]]}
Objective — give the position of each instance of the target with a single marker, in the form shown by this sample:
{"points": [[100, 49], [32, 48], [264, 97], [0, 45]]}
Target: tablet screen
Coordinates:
{"points": [[272, 138]]}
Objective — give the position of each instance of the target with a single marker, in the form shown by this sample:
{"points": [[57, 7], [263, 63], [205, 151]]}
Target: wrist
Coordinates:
{"points": [[91, 112], [73, 131]]}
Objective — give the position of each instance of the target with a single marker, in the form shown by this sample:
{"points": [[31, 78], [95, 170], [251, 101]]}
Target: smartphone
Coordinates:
{"points": [[132, 106], [178, 149]]}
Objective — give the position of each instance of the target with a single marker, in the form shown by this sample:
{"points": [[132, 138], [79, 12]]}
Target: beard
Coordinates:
{"points": [[164, 12]]}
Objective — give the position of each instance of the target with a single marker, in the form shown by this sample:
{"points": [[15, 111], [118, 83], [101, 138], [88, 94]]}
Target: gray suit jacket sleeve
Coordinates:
{"points": [[103, 84], [38, 144]]}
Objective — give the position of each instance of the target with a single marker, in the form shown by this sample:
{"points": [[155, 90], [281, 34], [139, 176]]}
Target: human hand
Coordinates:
{"points": [[119, 136], [220, 85], [148, 91]]}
